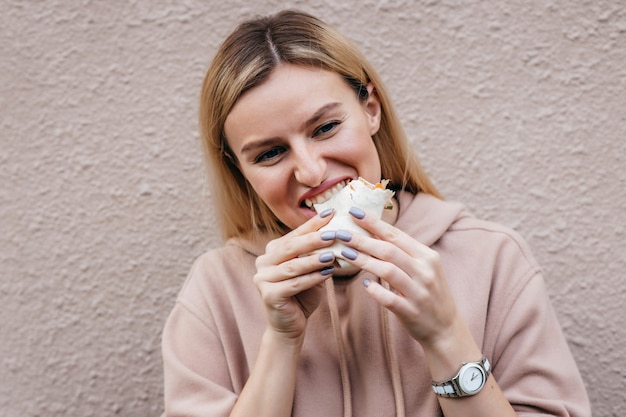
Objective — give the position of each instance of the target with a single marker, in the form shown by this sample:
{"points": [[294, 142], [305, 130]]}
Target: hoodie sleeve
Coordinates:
{"points": [[196, 381], [211, 336], [531, 359]]}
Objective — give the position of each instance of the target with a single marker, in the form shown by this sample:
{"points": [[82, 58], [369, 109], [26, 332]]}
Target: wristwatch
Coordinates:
{"points": [[470, 379]]}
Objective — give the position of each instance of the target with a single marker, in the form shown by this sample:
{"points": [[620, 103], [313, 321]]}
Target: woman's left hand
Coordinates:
{"points": [[419, 295]]}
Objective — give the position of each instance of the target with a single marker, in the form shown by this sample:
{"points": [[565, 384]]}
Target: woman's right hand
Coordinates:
{"points": [[290, 276]]}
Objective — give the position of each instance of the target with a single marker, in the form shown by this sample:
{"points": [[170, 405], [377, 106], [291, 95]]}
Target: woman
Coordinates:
{"points": [[270, 325]]}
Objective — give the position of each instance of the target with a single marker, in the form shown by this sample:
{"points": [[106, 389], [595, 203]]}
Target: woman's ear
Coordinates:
{"points": [[372, 109]]}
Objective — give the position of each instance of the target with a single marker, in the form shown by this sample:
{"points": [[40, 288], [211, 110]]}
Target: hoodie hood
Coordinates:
{"points": [[434, 216], [252, 243]]}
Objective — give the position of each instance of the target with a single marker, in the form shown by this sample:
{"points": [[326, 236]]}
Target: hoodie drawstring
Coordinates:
{"points": [[392, 360], [343, 361], [391, 355]]}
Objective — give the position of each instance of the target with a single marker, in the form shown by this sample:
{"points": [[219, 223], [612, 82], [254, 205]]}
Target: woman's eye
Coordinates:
{"points": [[326, 128], [269, 155]]}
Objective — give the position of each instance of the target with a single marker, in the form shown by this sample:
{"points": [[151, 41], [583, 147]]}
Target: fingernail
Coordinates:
{"points": [[349, 253], [328, 235], [327, 270], [326, 257], [343, 235], [366, 282], [356, 212], [326, 213]]}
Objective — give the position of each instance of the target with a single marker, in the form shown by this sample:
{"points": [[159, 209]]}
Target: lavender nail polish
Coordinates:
{"points": [[349, 253], [366, 282], [343, 235], [328, 235], [327, 270], [326, 213], [356, 212], [326, 257]]}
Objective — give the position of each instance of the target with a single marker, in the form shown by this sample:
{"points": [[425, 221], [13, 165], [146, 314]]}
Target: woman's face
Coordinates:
{"points": [[300, 134]]}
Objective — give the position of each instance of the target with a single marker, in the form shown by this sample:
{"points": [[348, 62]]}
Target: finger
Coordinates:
{"points": [[304, 239], [276, 294], [391, 272], [379, 257], [389, 233], [395, 246], [296, 267], [313, 224], [386, 298], [416, 278]]}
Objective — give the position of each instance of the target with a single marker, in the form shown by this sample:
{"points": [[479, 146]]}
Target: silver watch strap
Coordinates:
{"points": [[450, 388]]}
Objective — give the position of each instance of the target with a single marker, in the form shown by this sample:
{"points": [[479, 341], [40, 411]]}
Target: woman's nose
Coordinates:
{"points": [[310, 167]]}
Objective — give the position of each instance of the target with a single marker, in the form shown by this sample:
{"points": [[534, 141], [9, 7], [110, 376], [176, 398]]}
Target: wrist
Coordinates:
{"points": [[453, 347], [281, 342]]}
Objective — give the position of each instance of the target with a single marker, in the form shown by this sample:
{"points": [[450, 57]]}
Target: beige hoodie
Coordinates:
{"points": [[213, 334]]}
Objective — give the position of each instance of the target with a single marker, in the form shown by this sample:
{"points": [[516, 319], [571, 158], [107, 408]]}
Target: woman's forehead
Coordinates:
{"points": [[290, 91]]}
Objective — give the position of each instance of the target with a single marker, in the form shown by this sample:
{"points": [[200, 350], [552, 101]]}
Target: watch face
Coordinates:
{"points": [[471, 378]]}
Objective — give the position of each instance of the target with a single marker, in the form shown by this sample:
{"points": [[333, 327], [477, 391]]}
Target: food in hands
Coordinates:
{"points": [[372, 198]]}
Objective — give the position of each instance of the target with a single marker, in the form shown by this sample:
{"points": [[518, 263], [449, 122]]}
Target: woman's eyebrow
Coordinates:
{"points": [[257, 145], [320, 113]]}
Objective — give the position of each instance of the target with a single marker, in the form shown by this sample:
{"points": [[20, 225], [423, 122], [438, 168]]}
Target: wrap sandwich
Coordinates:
{"points": [[373, 198]]}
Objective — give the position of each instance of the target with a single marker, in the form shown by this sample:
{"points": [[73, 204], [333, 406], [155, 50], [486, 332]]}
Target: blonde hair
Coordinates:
{"points": [[245, 60]]}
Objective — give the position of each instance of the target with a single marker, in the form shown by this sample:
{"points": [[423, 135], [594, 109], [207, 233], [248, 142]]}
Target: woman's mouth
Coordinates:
{"points": [[326, 195]]}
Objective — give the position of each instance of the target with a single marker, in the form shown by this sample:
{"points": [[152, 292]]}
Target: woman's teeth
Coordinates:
{"points": [[321, 198]]}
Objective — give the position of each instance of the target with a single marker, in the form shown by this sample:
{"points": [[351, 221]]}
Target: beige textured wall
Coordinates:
{"points": [[517, 109]]}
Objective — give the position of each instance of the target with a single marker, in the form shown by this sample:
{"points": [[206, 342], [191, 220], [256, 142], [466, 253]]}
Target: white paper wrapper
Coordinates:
{"points": [[358, 193]]}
